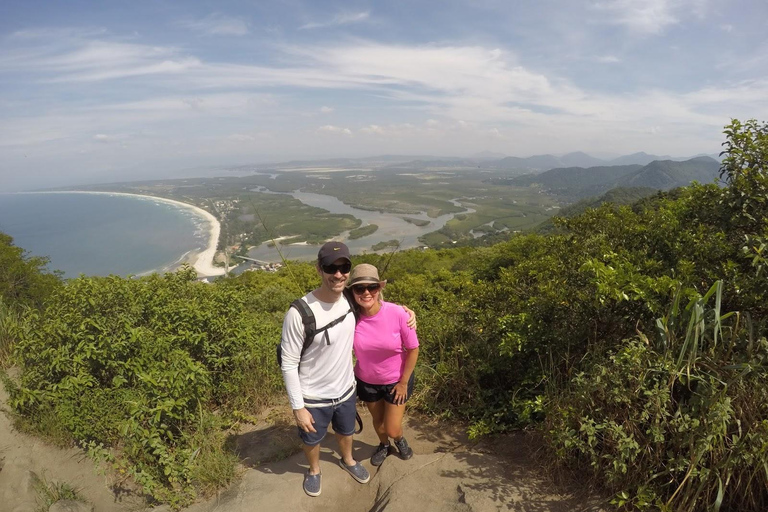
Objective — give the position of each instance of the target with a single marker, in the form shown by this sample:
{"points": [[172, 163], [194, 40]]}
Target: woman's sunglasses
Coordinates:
{"points": [[359, 289], [344, 268]]}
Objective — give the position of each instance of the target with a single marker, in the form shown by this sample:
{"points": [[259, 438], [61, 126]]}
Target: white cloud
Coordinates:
{"points": [[642, 16], [88, 61], [608, 59], [218, 25], [326, 110], [344, 18], [335, 130]]}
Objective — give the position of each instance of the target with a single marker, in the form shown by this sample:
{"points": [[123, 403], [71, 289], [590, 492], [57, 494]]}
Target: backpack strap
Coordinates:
{"points": [[308, 319], [310, 328]]}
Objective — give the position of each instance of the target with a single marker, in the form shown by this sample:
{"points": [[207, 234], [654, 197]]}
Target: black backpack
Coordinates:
{"points": [[310, 331]]}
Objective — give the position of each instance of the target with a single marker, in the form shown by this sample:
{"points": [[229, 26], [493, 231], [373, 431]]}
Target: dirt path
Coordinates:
{"points": [[446, 473]]}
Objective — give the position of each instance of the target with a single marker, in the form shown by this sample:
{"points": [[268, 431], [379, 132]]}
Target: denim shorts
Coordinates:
{"points": [[339, 413], [375, 392]]}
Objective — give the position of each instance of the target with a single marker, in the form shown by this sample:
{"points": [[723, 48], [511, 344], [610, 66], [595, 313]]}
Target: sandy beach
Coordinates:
{"points": [[201, 261]]}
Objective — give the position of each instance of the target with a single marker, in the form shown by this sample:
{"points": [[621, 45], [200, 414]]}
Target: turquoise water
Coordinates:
{"points": [[99, 235]]}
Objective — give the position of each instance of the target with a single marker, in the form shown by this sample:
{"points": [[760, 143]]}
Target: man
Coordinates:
{"points": [[321, 382]]}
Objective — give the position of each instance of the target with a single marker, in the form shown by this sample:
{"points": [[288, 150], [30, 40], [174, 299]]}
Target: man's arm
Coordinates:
{"points": [[292, 342], [411, 317]]}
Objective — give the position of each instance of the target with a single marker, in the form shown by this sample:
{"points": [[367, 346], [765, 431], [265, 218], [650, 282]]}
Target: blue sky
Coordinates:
{"points": [[119, 90]]}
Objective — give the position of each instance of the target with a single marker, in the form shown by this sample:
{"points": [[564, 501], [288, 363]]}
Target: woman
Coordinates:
{"points": [[386, 350]]}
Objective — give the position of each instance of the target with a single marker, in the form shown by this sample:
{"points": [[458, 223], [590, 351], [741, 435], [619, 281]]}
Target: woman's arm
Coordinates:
{"points": [[401, 388]]}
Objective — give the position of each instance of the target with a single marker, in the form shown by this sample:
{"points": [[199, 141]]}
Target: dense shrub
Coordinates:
{"points": [[678, 421], [24, 279], [139, 363]]}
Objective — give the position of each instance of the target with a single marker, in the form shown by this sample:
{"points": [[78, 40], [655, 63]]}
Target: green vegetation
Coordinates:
{"points": [[633, 337], [387, 243], [363, 231], [416, 222], [578, 182]]}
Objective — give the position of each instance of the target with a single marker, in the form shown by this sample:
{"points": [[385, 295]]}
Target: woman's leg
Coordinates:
{"points": [[393, 420], [377, 414]]}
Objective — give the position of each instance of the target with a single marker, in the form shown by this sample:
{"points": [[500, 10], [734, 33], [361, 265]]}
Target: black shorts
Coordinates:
{"points": [[375, 392]]}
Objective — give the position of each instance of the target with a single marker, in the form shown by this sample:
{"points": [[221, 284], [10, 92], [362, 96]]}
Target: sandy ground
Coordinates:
{"points": [[446, 473]]}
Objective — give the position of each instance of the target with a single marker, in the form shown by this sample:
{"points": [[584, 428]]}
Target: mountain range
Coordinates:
{"points": [[580, 182], [484, 160]]}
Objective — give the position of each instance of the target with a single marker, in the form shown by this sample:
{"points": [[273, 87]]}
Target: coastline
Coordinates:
{"points": [[201, 261]]}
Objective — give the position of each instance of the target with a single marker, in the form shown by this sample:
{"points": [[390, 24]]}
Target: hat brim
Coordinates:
{"points": [[366, 280]]}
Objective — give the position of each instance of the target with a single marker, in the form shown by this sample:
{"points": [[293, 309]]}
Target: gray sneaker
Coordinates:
{"points": [[313, 484], [380, 454], [357, 471], [404, 450]]}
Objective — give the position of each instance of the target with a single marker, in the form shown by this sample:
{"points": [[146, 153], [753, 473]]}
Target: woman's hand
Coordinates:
{"points": [[401, 393], [411, 317]]}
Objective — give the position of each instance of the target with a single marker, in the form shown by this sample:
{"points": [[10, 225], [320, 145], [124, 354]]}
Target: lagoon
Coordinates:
{"points": [[392, 226]]}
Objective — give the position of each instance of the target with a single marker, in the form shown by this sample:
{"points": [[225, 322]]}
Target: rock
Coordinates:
{"points": [[70, 506]]}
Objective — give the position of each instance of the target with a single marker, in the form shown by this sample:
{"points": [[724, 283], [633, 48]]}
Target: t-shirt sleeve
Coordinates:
{"points": [[408, 335], [291, 343]]}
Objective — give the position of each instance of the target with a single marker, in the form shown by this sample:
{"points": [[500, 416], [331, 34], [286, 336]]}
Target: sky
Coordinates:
{"points": [[95, 91]]}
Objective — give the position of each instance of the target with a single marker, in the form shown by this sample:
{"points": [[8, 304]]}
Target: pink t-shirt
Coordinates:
{"points": [[380, 345]]}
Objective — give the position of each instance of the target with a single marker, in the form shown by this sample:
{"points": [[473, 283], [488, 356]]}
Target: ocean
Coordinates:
{"points": [[99, 235]]}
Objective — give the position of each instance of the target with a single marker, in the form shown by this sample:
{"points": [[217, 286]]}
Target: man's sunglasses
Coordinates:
{"points": [[359, 289], [344, 268]]}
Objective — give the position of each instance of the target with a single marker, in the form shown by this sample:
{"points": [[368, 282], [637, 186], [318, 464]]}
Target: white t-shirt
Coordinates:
{"points": [[326, 368]]}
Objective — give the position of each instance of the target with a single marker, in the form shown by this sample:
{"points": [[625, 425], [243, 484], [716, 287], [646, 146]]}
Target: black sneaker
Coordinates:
{"points": [[380, 454], [404, 450]]}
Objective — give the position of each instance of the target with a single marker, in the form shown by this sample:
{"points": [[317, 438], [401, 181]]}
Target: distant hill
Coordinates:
{"points": [[666, 174], [580, 159], [579, 182], [485, 160], [619, 196], [638, 158]]}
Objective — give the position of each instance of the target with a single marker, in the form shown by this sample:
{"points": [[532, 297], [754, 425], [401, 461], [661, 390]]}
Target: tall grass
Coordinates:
{"points": [[10, 328], [678, 422]]}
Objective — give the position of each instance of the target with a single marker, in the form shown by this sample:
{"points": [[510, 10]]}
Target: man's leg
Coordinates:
{"points": [[344, 426], [345, 447], [312, 453]]}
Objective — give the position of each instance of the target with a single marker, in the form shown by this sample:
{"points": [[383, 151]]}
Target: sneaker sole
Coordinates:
{"points": [[344, 467]]}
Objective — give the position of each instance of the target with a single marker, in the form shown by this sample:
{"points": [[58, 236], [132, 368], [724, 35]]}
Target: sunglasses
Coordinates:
{"points": [[359, 289], [344, 268]]}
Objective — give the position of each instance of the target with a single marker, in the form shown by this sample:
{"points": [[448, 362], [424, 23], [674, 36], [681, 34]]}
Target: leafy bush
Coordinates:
{"points": [[137, 364], [24, 279], [675, 423]]}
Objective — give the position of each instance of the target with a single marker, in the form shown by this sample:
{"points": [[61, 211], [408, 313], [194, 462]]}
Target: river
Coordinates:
{"points": [[392, 226]]}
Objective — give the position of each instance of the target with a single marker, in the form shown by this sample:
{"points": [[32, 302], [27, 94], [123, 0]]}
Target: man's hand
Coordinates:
{"points": [[411, 317], [304, 420]]}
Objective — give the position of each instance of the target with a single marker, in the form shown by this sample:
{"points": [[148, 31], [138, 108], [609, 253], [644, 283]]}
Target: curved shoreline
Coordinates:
{"points": [[201, 261]]}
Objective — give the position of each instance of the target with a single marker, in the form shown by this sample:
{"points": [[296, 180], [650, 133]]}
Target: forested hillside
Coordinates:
{"points": [[579, 182], [633, 340]]}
